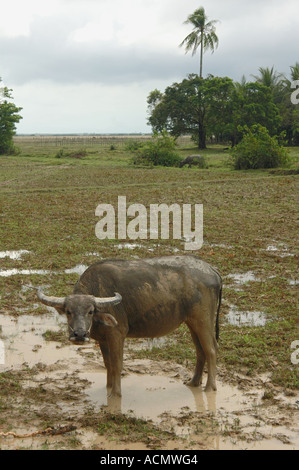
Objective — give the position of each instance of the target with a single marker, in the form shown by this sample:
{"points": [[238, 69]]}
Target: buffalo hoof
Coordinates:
{"points": [[193, 383], [210, 388]]}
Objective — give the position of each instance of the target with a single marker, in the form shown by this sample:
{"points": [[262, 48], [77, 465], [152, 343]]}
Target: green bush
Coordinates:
{"points": [[160, 150], [62, 153], [133, 145], [258, 149]]}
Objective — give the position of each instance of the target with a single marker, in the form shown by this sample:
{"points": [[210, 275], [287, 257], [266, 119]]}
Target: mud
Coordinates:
{"points": [[66, 384]]}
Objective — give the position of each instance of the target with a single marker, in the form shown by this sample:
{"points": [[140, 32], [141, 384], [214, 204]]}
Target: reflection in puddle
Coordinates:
{"points": [[25, 272], [129, 246], [281, 250], [167, 402], [23, 340], [243, 277], [245, 318], [219, 245], [13, 254], [149, 396], [78, 269]]}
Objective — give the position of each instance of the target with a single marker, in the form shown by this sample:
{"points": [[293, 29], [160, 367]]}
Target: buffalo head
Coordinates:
{"points": [[81, 311]]}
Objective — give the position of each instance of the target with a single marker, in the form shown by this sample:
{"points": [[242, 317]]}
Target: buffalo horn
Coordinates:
{"points": [[49, 300], [101, 302]]}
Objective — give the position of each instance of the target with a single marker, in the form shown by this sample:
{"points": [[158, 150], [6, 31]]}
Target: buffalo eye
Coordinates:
{"points": [[68, 312]]}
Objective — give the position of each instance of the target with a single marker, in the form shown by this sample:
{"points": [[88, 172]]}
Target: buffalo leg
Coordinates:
{"points": [[200, 361], [116, 346], [209, 346], [106, 358], [206, 337]]}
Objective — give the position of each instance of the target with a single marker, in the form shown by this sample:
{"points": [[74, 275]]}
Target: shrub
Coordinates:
{"points": [[62, 153], [133, 145], [258, 149], [160, 150]]}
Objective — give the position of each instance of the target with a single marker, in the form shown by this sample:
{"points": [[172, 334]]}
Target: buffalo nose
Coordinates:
{"points": [[80, 336]]}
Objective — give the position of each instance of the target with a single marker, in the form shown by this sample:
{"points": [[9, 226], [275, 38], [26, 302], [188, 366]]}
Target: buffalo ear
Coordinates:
{"points": [[105, 319]]}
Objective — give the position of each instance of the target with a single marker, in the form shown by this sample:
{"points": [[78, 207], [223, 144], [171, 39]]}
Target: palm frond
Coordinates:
{"points": [[203, 34]]}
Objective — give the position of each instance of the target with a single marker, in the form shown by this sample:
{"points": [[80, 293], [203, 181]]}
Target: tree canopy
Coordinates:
{"points": [[8, 118], [217, 106]]}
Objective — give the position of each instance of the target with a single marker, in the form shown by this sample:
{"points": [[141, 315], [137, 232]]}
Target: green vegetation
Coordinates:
{"points": [[8, 118], [215, 107], [258, 149], [129, 428], [160, 150]]}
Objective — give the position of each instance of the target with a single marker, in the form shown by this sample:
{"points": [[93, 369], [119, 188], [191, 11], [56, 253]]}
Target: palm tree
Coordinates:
{"points": [[295, 71], [273, 80], [203, 34], [269, 77]]}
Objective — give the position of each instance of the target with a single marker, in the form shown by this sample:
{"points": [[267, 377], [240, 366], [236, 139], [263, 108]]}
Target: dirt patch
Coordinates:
{"points": [[56, 392]]}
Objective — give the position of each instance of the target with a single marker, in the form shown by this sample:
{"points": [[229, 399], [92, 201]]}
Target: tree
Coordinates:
{"points": [[212, 106], [272, 80], [203, 34], [295, 71], [194, 106], [8, 118], [269, 77], [251, 103], [288, 110]]}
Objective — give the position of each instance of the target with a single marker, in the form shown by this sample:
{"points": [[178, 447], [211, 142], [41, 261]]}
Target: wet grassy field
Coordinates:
{"points": [[250, 225], [48, 196]]}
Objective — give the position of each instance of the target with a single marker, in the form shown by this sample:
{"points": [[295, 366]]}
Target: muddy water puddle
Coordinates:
{"points": [[154, 391], [13, 254], [174, 407], [23, 341], [238, 317], [78, 269]]}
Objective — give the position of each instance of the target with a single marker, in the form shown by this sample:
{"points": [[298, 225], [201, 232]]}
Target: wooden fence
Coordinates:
{"points": [[87, 140]]}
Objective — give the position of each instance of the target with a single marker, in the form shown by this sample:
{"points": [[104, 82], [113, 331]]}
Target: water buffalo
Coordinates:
{"points": [[152, 297], [193, 160]]}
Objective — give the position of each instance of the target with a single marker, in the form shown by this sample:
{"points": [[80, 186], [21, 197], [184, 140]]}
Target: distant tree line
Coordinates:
{"points": [[218, 107]]}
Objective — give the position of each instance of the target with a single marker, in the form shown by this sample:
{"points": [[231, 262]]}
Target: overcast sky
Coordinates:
{"points": [[79, 66]]}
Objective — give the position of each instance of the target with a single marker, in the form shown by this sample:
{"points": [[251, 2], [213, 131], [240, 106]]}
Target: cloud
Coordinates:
{"points": [[56, 50], [114, 53], [120, 42]]}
